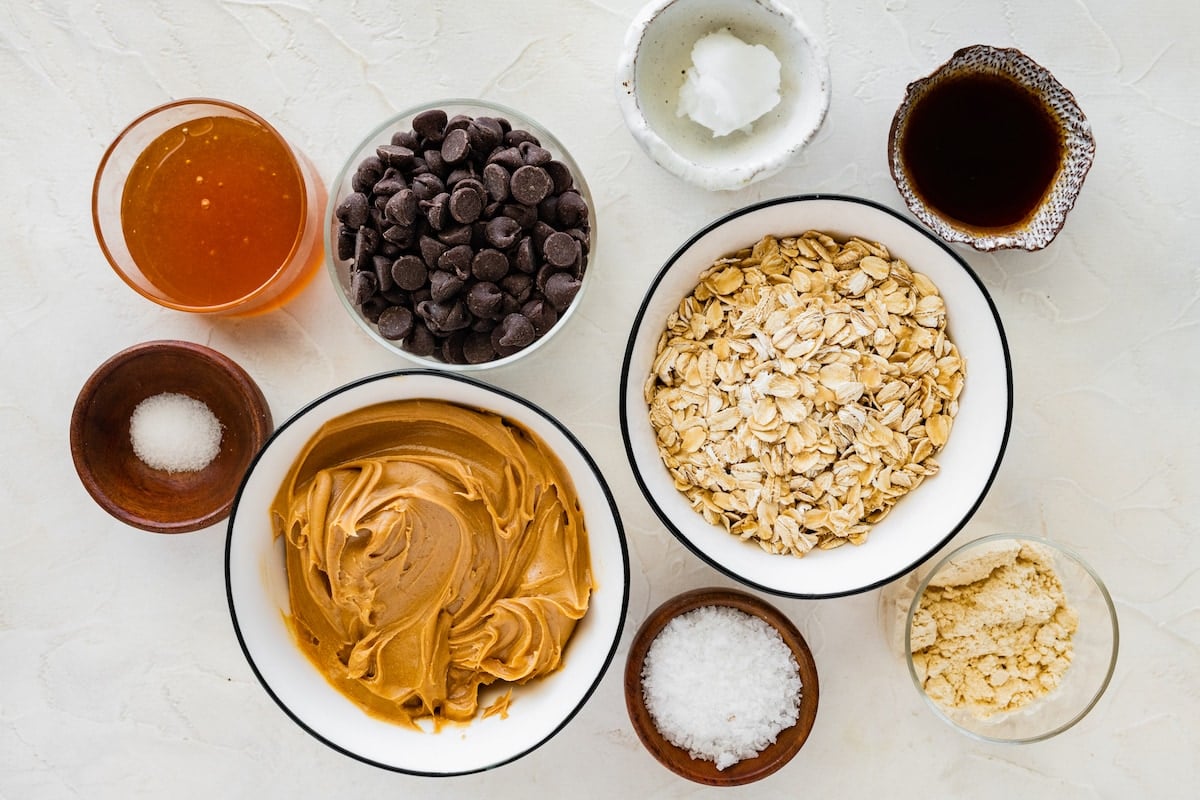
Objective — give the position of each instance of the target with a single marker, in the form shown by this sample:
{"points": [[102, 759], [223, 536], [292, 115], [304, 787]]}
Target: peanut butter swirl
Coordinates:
{"points": [[432, 549]]}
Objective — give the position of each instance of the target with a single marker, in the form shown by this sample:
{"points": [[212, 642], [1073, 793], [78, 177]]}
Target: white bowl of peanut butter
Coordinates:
{"points": [[426, 573]]}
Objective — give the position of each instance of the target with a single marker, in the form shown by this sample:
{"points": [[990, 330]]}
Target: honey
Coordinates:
{"points": [[981, 149], [212, 209]]}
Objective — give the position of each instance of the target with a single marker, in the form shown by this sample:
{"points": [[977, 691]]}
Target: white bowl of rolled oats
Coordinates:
{"points": [[816, 395]]}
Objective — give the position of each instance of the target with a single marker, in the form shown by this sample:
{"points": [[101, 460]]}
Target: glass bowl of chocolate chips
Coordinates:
{"points": [[460, 234]]}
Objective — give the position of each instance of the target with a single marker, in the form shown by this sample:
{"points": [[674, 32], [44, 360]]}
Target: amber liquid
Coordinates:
{"points": [[981, 149], [212, 209]]}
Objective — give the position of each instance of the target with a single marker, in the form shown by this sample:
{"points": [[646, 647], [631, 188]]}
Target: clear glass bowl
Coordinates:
{"points": [[1094, 643], [340, 269], [285, 283]]}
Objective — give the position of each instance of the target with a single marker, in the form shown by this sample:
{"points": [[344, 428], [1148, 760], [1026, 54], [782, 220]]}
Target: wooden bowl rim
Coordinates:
{"points": [[258, 415], [676, 759]]}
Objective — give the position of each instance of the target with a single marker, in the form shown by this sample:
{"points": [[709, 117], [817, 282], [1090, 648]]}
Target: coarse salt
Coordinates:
{"points": [[721, 684], [730, 83], [174, 433]]}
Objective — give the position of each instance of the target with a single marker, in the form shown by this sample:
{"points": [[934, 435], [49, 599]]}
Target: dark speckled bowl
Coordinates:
{"points": [[1039, 229]]}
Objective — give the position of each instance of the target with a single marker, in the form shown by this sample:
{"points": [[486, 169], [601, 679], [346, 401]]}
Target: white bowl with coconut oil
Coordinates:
{"points": [[652, 68]]}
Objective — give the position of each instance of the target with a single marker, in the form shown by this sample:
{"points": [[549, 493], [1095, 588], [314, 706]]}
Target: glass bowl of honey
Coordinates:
{"points": [[990, 150], [201, 205]]}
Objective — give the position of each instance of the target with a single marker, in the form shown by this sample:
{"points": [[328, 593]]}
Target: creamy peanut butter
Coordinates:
{"points": [[432, 549]]}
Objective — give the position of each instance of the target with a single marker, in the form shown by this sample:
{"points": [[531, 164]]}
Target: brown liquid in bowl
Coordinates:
{"points": [[981, 149]]}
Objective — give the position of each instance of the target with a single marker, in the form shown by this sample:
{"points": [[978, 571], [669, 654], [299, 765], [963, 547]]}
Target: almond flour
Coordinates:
{"points": [[993, 633]]}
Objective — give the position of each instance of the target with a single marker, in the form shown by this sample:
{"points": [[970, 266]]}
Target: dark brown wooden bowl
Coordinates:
{"points": [[676, 759], [151, 499]]}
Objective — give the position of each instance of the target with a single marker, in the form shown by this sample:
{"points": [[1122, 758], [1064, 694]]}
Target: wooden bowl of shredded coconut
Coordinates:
{"points": [[721, 687], [162, 433]]}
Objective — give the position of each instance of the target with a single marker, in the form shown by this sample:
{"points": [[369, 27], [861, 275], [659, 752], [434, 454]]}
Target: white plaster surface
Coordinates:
{"points": [[120, 675]]}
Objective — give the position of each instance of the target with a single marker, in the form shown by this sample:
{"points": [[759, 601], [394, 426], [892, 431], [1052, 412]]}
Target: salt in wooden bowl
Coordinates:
{"points": [[151, 499], [678, 760]]}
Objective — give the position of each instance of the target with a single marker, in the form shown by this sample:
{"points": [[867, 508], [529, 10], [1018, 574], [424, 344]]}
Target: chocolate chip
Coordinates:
{"points": [[561, 249], [484, 299], [513, 333], [463, 172], [366, 239], [374, 307], [395, 323], [430, 124], [443, 286], [530, 184], [419, 167], [534, 154], [477, 347], [452, 348], [427, 186], [457, 260], [541, 313], [518, 285], [485, 134], [436, 210], [465, 204], [496, 180], [352, 211], [501, 232], [458, 122], [405, 139], [363, 285], [394, 155], [409, 272], [561, 289], [420, 342], [489, 265], [431, 250], [517, 136], [399, 236], [527, 258], [382, 266], [526, 216], [369, 171], [454, 234], [560, 173], [435, 162], [508, 157], [572, 208], [547, 210], [346, 239], [456, 146], [402, 207], [540, 233]]}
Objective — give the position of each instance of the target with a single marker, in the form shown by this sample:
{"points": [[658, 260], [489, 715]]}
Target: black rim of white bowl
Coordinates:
{"points": [[583, 453], [639, 320]]}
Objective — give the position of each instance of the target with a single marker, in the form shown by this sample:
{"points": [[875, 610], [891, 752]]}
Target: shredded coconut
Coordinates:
{"points": [[721, 684], [993, 632], [174, 433]]}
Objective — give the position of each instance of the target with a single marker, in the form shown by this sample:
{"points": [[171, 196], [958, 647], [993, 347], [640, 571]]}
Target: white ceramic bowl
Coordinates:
{"points": [[1094, 649], [923, 520], [658, 49], [256, 582]]}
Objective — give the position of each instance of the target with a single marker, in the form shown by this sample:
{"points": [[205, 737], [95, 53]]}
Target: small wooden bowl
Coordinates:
{"points": [[151, 499], [676, 759]]}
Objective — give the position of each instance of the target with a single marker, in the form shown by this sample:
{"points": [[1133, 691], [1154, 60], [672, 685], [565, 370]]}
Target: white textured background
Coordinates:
{"points": [[119, 672]]}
